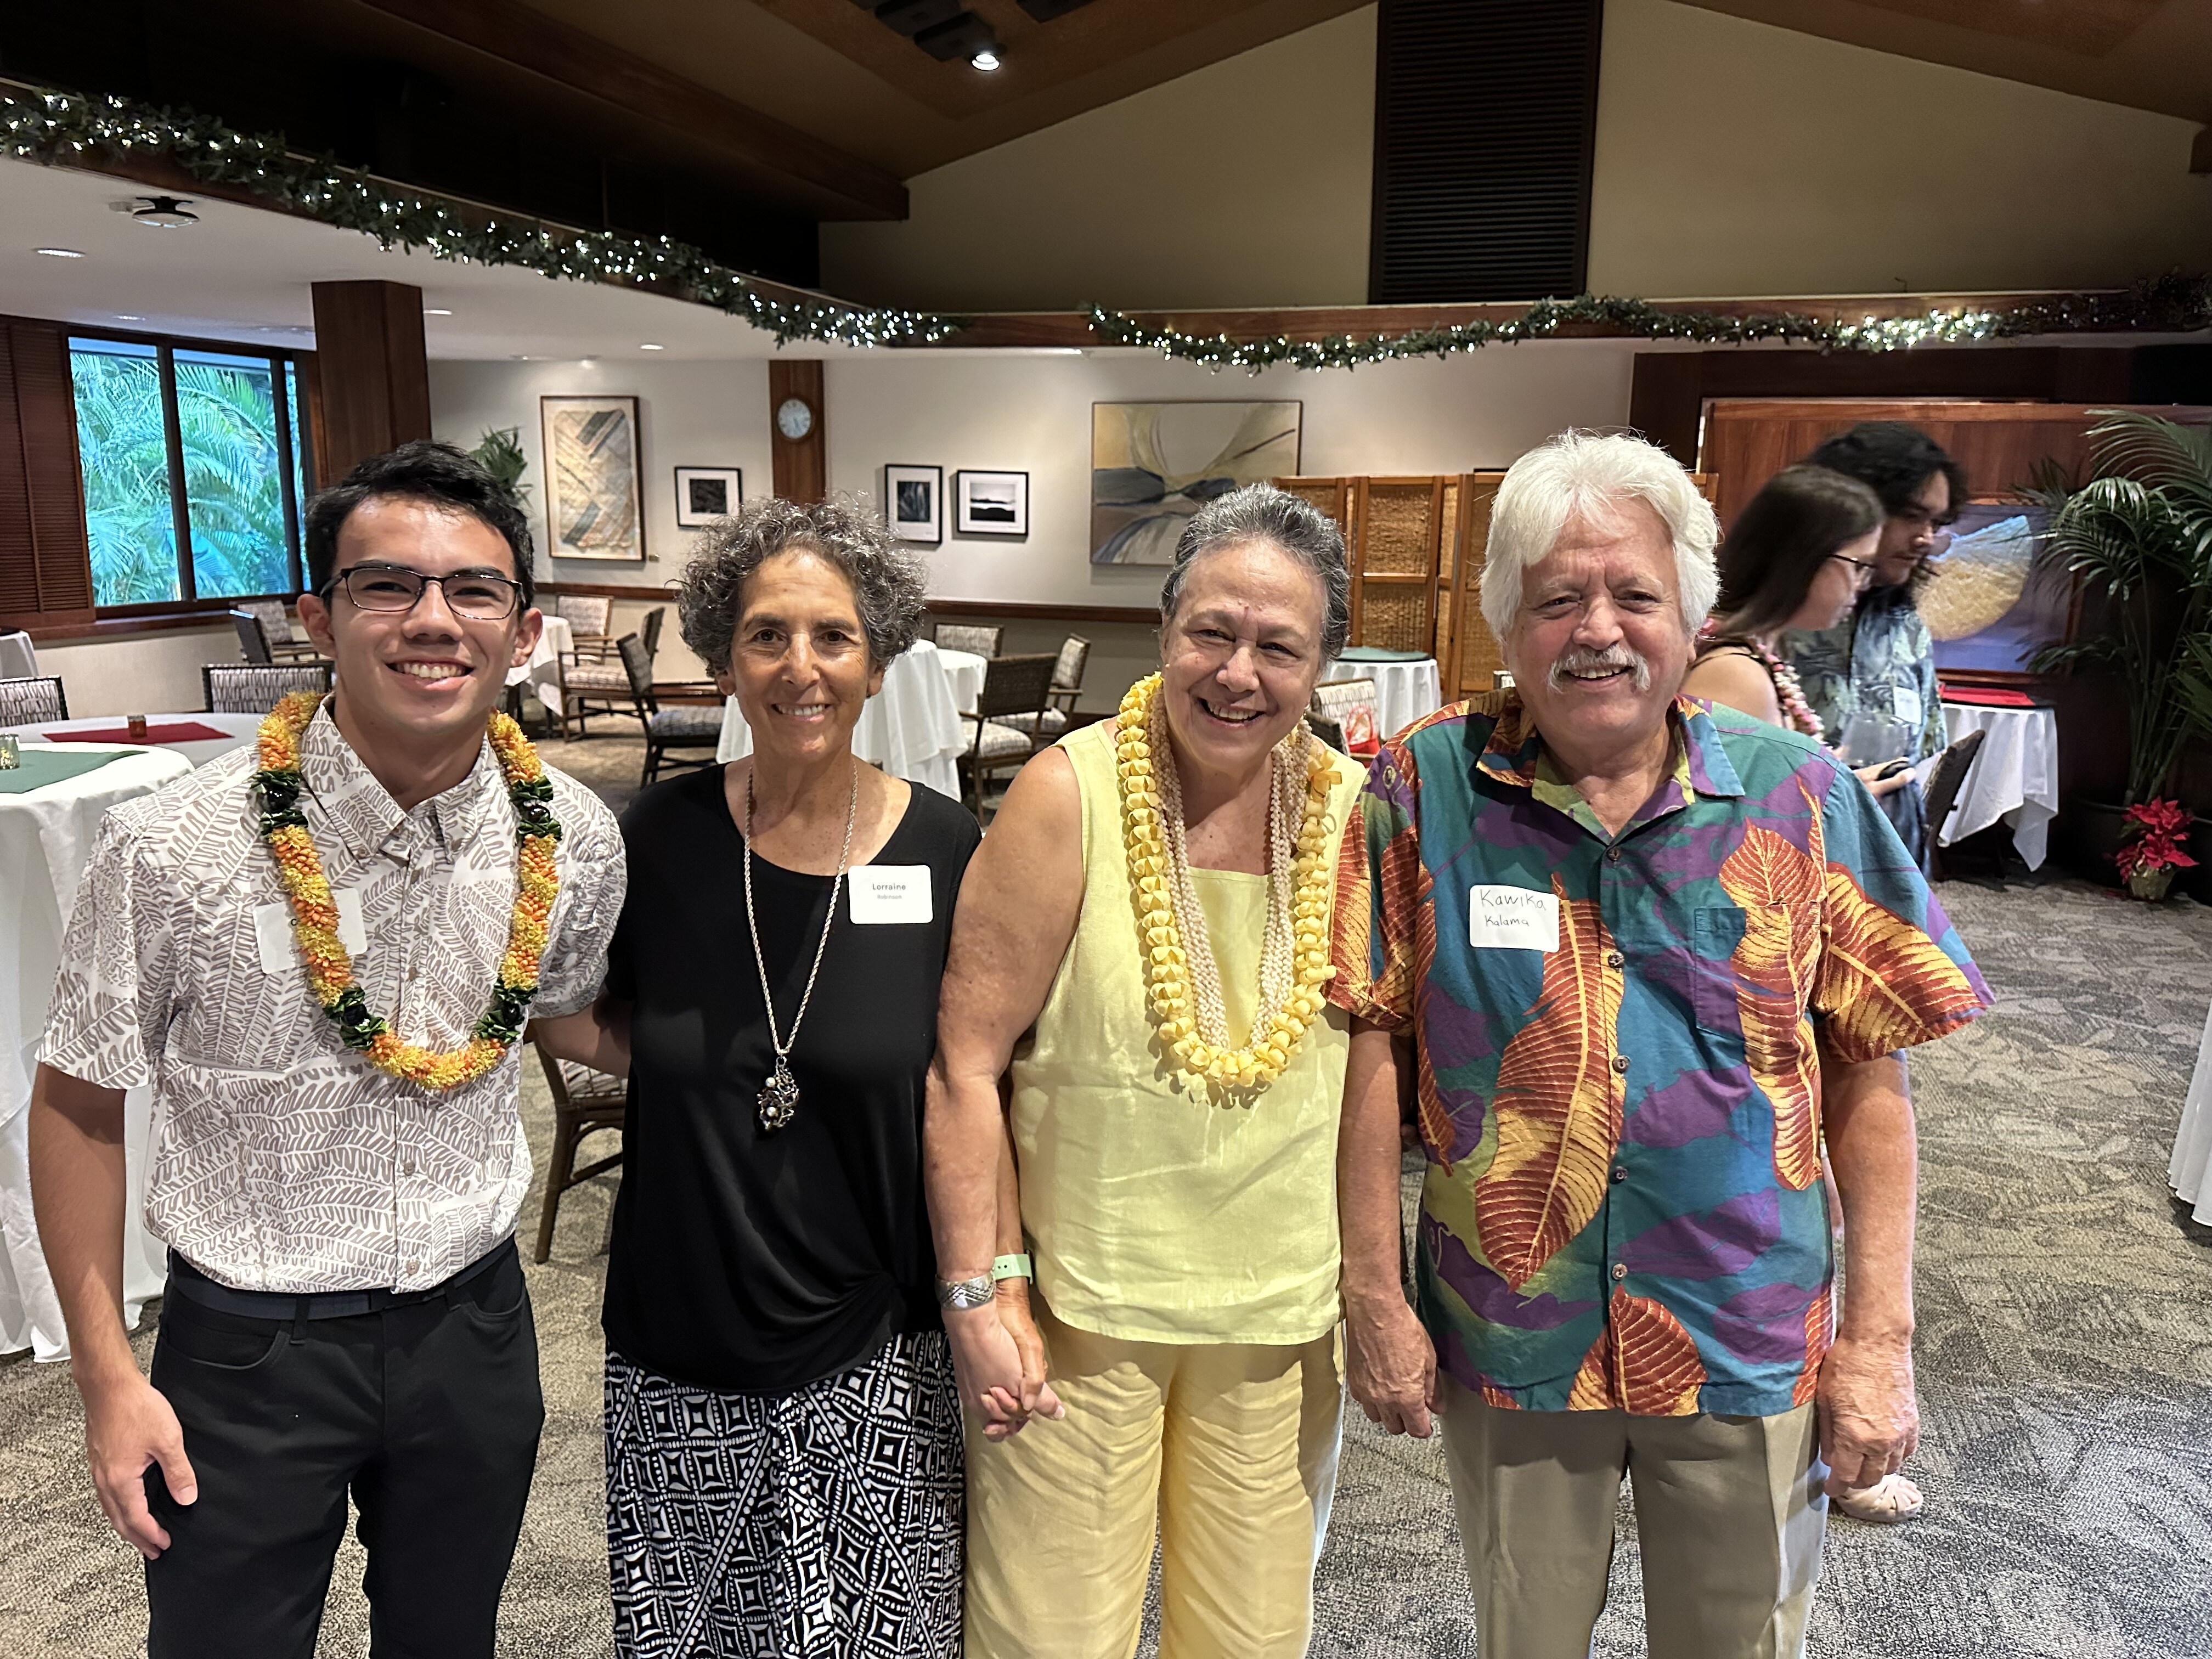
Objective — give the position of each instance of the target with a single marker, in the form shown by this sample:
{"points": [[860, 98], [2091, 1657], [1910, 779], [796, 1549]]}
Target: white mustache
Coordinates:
{"points": [[1587, 662]]}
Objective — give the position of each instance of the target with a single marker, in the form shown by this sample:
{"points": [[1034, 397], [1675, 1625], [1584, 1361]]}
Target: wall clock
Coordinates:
{"points": [[795, 418]]}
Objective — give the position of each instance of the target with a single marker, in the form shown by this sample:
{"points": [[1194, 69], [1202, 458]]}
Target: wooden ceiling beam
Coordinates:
{"points": [[826, 180]]}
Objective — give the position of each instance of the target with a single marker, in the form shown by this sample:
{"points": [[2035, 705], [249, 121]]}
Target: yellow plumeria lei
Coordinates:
{"points": [[315, 915], [1276, 1032]]}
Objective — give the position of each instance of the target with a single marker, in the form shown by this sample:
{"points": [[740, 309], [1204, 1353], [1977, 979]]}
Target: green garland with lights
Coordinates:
{"points": [[55, 126], [2169, 305]]}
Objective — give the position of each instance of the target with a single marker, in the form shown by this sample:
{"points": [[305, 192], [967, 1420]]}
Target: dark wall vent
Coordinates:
{"points": [[1485, 114]]}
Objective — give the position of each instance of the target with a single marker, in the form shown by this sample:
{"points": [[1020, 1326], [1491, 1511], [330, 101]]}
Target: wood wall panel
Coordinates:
{"points": [[800, 467], [374, 374], [46, 565]]}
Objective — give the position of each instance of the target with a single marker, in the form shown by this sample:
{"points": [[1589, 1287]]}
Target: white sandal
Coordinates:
{"points": [[1891, 1499]]}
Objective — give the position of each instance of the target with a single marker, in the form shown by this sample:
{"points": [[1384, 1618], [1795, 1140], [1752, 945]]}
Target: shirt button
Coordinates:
{"points": [[1614, 959], [1619, 1270], [1620, 1062], [1613, 855], [1619, 1174]]}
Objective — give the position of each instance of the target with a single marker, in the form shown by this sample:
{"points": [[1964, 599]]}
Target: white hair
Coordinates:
{"points": [[1587, 472]]}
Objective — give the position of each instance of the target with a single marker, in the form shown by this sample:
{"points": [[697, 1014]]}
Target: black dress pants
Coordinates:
{"points": [[428, 1412]]}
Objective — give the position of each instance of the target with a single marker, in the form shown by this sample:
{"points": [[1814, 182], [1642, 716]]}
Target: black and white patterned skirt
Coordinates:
{"points": [[825, 1523]]}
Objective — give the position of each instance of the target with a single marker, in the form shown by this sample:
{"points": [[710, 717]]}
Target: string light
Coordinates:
{"points": [[52, 126]]}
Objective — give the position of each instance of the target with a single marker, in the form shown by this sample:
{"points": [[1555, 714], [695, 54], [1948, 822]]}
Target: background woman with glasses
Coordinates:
{"points": [[1798, 556]]}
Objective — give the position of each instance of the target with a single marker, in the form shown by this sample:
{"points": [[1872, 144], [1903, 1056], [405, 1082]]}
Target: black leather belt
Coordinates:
{"points": [[189, 1282]]}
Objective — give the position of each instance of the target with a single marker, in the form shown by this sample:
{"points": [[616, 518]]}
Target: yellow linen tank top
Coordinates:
{"points": [[1154, 1215]]}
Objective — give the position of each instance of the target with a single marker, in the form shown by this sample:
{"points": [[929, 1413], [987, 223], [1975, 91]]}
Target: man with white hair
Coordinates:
{"points": [[1629, 955]]}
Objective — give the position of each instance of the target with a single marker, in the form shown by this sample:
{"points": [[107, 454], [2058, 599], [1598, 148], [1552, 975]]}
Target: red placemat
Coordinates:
{"points": [[1990, 696], [174, 731]]}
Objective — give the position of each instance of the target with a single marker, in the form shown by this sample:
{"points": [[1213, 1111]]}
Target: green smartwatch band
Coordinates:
{"points": [[1011, 1266]]}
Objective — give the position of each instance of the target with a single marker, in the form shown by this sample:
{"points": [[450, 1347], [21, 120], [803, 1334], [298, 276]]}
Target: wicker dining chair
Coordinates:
{"points": [[1011, 686], [1352, 704], [589, 617], [252, 638], [26, 702], [255, 687], [585, 1102], [1066, 686], [979, 638], [276, 632], [604, 688], [682, 725]]}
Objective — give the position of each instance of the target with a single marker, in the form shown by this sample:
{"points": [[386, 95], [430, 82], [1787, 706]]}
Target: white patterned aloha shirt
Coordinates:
{"points": [[284, 1161]]}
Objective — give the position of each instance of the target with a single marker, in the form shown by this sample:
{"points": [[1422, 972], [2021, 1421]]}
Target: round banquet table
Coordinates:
{"points": [[46, 838], [911, 728], [1405, 688], [541, 674], [2191, 1172], [2015, 778], [237, 729]]}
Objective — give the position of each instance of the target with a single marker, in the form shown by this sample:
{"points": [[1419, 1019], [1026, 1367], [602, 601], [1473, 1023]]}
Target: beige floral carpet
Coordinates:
{"points": [[2066, 1371]]}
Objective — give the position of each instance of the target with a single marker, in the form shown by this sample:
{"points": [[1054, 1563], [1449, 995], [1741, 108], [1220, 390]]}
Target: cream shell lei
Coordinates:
{"points": [[1183, 983]]}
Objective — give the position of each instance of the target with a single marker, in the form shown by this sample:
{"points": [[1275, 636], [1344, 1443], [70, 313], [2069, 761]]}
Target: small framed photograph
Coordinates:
{"points": [[990, 503], [704, 493], [913, 502]]}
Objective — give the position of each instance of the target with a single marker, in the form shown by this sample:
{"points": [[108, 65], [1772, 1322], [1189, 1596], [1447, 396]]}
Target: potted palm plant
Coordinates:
{"points": [[500, 454], [2138, 536]]}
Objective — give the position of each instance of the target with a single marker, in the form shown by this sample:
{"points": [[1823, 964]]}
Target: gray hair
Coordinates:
{"points": [[1261, 512], [1587, 472], [888, 580]]}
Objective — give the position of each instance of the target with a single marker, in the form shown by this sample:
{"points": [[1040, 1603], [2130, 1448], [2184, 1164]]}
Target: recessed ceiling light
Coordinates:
{"points": [[986, 60], [587, 362], [60, 253], [436, 311], [649, 346], [165, 212], [128, 316]]}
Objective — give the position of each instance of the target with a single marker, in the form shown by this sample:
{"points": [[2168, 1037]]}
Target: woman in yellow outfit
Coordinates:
{"points": [[1140, 943]]}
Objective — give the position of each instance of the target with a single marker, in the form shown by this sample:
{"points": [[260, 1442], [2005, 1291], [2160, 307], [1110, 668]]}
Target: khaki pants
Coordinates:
{"points": [[1729, 1513], [1229, 1451]]}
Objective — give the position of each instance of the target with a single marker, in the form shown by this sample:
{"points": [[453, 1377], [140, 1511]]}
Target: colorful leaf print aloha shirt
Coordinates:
{"points": [[1623, 1205]]}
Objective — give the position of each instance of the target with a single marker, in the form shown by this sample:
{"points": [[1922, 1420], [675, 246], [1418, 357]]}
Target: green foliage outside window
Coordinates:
{"points": [[233, 457]]}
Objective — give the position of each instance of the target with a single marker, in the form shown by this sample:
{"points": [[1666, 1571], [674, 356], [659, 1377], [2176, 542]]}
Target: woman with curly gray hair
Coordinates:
{"points": [[783, 1444]]}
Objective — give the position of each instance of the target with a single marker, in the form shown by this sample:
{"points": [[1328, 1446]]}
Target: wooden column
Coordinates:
{"points": [[375, 375], [802, 465]]}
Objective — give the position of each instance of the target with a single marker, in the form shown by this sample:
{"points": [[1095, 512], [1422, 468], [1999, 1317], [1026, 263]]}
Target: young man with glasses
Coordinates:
{"points": [[339, 1184], [1881, 656]]}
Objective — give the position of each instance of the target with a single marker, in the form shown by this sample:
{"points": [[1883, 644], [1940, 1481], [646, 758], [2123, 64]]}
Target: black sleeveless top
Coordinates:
{"points": [[759, 1262]]}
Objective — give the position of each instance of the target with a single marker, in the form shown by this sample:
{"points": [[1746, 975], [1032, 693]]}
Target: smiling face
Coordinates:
{"points": [[798, 660], [1239, 658], [425, 676], [1597, 648], [1838, 584], [1917, 533]]}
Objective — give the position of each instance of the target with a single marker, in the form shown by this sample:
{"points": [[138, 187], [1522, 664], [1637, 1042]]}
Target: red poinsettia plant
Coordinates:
{"points": [[2150, 845]]}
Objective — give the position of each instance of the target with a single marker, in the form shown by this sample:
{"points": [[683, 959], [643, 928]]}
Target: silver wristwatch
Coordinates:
{"points": [[962, 1293]]}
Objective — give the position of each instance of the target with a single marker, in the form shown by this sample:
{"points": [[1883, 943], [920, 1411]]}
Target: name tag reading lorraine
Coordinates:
{"points": [[885, 895], [272, 931], [1512, 919]]}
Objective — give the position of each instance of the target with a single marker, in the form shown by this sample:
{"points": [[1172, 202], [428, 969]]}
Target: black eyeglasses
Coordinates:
{"points": [[477, 595], [1864, 566]]}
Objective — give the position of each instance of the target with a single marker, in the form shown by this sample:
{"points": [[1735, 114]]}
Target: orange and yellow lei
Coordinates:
{"points": [[315, 916], [1141, 740]]}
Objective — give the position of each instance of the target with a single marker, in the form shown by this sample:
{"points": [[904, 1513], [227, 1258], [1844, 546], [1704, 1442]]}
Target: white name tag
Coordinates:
{"points": [[1905, 699], [1512, 919], [272, 931], [885, 895]]}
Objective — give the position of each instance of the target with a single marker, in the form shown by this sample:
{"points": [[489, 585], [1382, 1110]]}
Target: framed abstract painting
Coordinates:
{"points": [[594, 479], [1152, 466]]}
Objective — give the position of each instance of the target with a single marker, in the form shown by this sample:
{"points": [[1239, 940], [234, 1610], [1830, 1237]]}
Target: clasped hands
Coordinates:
{"points": [[998, 1362]]}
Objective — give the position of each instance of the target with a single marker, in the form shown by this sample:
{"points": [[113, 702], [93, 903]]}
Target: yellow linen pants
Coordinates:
{"points": [[1730, 1516], [1228, 1450]]}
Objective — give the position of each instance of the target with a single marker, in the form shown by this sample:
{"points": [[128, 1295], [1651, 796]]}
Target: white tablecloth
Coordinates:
{"points": [[2191, 1171], [557, 643], [46, 838], [237, 729], [2014, 779], [911, 728], [1404, 691]]}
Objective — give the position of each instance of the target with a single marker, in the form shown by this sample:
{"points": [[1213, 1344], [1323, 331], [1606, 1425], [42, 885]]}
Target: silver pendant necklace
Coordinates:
{"points": [[779, 1096]]}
